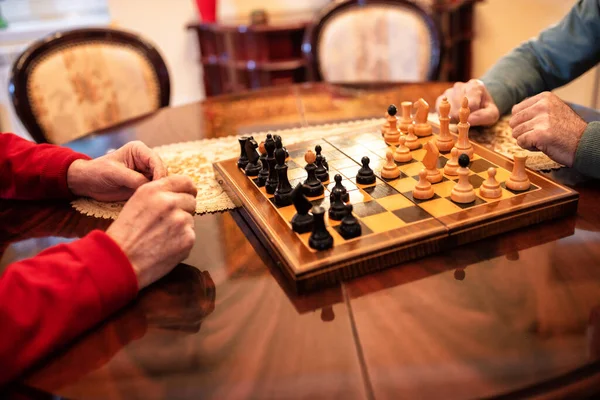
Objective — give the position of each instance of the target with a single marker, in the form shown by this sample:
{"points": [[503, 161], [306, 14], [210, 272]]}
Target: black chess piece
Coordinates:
{"points": [[243, 160], [337, 207], [365, 174], [350, 227], [392, 110], [287, 155], [321, 172], [263, 174], [312, 186], [318, 151], [283, 192], [302, 221], [320, 238], [253, 166], [339, 188], [271, 182], [464, 160]]}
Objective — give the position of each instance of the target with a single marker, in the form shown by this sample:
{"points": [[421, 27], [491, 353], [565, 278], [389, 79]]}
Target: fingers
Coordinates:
{"points": [[147, 161], [528, 141], [484, 116], [179, 184], [183, 201], [529, 102], [126, 177], [524, 127]]}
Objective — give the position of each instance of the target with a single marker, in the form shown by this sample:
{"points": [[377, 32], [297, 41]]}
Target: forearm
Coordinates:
{"points": [[30, 171], [587, 157], [50, 299]]}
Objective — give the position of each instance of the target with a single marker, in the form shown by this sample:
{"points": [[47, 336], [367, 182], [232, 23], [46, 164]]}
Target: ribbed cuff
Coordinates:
{"points": [[501, 97], [587, 157], [109, 268], [54, 174]]}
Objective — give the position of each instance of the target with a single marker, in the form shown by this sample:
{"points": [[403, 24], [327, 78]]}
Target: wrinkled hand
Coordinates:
{"points": [[155, 229], [544, 122], [115, 176], [483, 109]]}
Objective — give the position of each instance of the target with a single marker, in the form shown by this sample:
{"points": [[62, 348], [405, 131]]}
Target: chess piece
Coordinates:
{"points": [[321, 172], [411, 140], [406, 119], [430, 162], [385, 125], [423, 190], [243, 159], [422, 127], [318, 150], [337, 207], [463, 191], [365, 174], [444, 140], [263, 174], [339, 188], [312, 186], [287, 155], [350, 227], [271, 182], [302, 221], [392, 133], [402, 153], [283, 192], [452, 165], [320, 238], [462, 144], [253, 166], [490, 188], [390, 170], [518, 180]]}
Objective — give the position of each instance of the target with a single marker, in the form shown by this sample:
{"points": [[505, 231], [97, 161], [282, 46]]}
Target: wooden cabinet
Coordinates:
{"points": [[236, 56]]}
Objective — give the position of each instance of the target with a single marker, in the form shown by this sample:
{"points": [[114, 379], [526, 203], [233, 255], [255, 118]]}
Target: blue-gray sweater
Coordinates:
{"points": [[560, 54]]}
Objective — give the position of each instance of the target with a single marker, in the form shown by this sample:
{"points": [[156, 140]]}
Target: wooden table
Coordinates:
{"points": [[514, 314]]}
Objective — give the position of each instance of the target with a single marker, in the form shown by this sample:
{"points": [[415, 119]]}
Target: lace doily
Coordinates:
{"points": [[195, 159]]}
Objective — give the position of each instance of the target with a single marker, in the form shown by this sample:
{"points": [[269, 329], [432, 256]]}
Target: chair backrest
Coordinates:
{"points": [[72, 83], [373, 41]]}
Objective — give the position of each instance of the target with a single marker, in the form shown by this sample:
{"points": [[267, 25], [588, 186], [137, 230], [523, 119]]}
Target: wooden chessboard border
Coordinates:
{"points": [[309, 270]]}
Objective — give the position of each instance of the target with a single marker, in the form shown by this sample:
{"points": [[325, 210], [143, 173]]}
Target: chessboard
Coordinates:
{"points": [[395, 226]]}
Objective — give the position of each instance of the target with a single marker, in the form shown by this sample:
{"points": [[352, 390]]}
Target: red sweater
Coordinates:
{"points": [[48, 300]]}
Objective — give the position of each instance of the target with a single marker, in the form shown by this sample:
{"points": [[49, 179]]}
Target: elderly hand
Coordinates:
{"points": [[483, 109], [115, 176], [544, 122], [156, 227]]}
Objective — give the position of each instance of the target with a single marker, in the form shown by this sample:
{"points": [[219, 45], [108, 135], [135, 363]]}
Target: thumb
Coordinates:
{"points": [[483, 117], [475, 96], [126, 177]]}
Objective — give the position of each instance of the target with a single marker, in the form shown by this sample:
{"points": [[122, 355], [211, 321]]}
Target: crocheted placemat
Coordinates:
{"points": [[195, 159]]}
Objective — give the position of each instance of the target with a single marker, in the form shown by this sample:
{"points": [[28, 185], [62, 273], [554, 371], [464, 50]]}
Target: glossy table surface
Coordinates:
{"points": [[519, 312]]}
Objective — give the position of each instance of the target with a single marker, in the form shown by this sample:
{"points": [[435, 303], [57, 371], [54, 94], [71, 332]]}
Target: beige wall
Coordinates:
{"points": [[163, 22], [503, 24]]}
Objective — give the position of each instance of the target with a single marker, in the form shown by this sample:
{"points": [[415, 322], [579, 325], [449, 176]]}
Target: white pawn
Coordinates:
{"points": [[463, 191], [490, 188], [411, 139], [402, 153], [452, 165], [390, 170], [423, 190]]}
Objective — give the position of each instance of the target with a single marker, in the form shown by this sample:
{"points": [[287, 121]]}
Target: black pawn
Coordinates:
{"points": [[263, 174], [392, 110], [365, 174], [339, 188], [321, 172], [253, 166], [283, 192], [337, 207], [302, 221], [464, 160], [312, 186], [271, 182], [318, 150], [350, 227], [320, 238], [243, 160]]}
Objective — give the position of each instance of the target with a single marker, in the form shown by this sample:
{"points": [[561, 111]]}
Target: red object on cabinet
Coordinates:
{"points": [[207, 10]]}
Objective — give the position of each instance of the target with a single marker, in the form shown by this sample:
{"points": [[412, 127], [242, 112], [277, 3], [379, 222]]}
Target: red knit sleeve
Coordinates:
{"points": [[33, 171], [48, 300]]}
